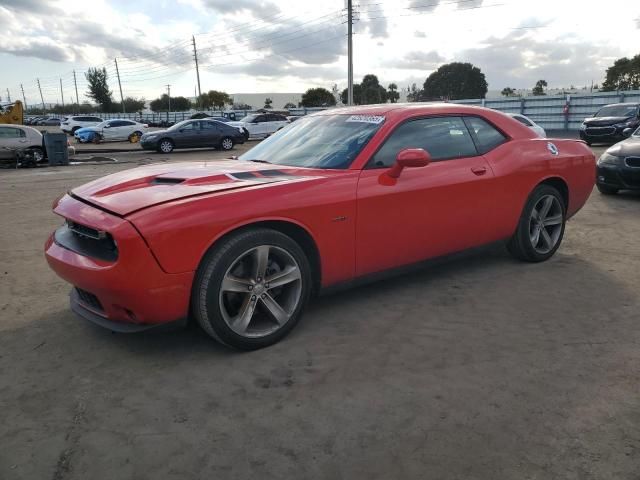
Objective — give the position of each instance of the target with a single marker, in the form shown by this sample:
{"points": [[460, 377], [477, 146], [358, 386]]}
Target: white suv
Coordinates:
{"points": [[71, 124], [260, 125]]}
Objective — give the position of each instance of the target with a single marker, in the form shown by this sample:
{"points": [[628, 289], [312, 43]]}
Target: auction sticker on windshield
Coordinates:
{"points": [[375, 119]]}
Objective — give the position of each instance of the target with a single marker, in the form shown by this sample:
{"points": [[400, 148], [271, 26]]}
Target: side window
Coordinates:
{"points": [[126, 123], [11, 133], [487, 137], [190, 126], [208, 125], [118, 123], [261, 118], [443, 137], [94, 119]]}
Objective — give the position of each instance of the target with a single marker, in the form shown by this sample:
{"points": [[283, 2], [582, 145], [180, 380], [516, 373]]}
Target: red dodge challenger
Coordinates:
{"points": [[241, 245]]}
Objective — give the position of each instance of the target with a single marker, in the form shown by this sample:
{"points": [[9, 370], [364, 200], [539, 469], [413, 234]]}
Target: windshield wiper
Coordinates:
{"points": [[260, 161]]}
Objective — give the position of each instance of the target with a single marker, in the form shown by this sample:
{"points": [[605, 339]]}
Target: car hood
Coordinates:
{"points": [[236, 124], [626, 148], [155, 132], [605, 121], [132, 190]]}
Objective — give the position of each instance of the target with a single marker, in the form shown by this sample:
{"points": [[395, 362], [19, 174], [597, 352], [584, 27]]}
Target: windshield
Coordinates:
{"points": [[618, 111], [179, 125], [323, 141], [249, 118]]}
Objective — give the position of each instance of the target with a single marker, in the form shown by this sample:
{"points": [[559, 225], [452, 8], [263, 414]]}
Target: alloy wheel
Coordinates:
{"points": [[227, 144], [545, 224], [166, 147], [260, 291]]}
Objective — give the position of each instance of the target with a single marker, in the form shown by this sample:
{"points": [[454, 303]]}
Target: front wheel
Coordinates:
{"points": [[250, 291], [38, 154], [165, 146], [226, 143], [603, 189], [541, 226]]}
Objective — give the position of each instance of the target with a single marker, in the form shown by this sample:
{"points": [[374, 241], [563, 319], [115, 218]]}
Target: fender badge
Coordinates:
{"points": [[552, 148]]}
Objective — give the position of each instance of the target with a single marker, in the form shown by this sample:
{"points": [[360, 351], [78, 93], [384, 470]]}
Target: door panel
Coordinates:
{"points": [[427, 212]]}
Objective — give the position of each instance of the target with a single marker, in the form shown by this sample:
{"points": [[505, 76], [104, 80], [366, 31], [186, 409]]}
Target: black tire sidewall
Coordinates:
{"points": [[520, 244], [205, 295]]}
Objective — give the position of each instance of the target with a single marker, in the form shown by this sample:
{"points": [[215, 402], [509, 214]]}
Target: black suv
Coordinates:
{"points": [[608, 125]]}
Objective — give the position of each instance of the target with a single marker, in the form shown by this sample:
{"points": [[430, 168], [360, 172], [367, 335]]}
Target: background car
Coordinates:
{"points": [[51, 122], [76, 122], [261, 125], [202, 115], [529, 123], [111, 131], [610, 122], [18, 137], [242, 245], [619, 167], [193, 134]]}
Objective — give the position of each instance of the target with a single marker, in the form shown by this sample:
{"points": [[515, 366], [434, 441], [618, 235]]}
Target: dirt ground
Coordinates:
{"points": [[478, 368]]}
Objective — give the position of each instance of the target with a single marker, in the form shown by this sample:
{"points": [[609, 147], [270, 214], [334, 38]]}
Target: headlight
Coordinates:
{"points": [[625, 124], [608, 159], [583, 126], [148, 137]]}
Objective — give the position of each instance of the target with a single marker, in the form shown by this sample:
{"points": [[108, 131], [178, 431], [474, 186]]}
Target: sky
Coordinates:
{"points": [[292, 45]]}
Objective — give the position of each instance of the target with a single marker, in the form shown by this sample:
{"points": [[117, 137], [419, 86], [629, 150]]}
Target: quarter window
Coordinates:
{"points": [[487, 137], [443, 137]]}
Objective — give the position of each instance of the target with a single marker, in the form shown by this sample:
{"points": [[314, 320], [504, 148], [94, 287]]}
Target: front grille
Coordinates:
{"points": [[633, 162], [595, 131], [89, 300]]}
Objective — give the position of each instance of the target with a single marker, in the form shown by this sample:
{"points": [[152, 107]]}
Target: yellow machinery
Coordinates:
{"points": [[12, 113]]}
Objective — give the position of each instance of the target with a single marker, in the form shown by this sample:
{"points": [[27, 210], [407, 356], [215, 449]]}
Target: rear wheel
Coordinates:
{"points": [[250, 291], [226, 143], [603, 189], [165, 146], [541, 226], [135, 137]]}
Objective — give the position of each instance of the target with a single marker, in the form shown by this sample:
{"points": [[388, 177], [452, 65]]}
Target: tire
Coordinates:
{"points": [[603, 189], [226, 143], [539, 234], [234, 263], [165, 146], [38, 154], [135, 137]]}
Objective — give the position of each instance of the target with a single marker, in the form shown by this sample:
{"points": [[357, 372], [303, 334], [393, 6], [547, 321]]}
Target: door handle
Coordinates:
{"points": [[479, 170]]}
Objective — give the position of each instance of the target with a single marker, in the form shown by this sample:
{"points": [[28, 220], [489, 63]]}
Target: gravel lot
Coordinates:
{"points": [[477, 368]]}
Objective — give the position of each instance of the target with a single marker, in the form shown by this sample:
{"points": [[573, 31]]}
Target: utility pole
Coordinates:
{"points": [[195, 57], [119, 85], [169, 95], [8, 96], [350, 52], [76, 84], [23, 97], [61, 93], [41, 97]]}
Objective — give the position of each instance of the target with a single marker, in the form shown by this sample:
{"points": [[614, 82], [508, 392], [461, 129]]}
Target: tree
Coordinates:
{"points": [[367, 92], [624, 74], [177, 104], [392, 93], [455, 81], [539, 88], [289, 105], [413, 93], [98, 88], [508, 92], [131, 105], [219, 99], [317, 97], [267, 102], [241, 106]]}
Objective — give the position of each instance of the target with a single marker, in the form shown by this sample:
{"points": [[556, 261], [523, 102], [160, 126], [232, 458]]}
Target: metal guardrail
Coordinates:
{"points": [[549, 110]]}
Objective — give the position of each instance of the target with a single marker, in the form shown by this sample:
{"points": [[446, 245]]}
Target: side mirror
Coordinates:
{"points": [[409, 158], [627, 132], [107, 126]]}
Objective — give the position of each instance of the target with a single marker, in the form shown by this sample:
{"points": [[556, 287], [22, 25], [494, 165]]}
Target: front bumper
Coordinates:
{"points": [[127, 293], [149, 144], [607, 135], [618, 176]]}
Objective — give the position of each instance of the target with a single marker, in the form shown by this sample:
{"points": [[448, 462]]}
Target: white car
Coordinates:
{"points": [[19, 137], [260, 125], [111, 131], [529, 123], [71, 124]]}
